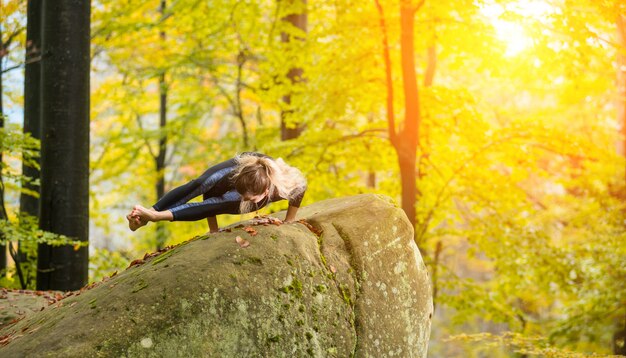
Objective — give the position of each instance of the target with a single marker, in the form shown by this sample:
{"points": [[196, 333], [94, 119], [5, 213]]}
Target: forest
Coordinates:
{"points": [[497, 126]]}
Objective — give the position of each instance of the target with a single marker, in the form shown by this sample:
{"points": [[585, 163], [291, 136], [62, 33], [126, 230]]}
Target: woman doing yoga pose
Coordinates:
{"points": [[243, 184]]}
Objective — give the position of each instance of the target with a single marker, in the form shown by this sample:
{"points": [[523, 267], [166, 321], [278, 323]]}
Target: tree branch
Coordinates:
{"points": [[29, 61], [364, 133]]}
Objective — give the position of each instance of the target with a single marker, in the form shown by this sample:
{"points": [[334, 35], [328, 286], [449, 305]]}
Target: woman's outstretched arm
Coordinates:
{"points": [[213, 227], [291, 214]]}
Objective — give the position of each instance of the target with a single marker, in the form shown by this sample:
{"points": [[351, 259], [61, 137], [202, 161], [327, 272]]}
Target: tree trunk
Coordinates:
{"points": [[410, 132], [237, 104], [407, 159], [298, 20], [65, 143], [405, 140], [32, 110], [32, 98], [161, 234], [619, 337], [621, 81], [406, 143], [371, 172], [3, 249]]}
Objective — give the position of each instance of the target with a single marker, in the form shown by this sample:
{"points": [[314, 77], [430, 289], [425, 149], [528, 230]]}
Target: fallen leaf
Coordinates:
{"points": [[265, 221], [333, 269], [242, 242], [136, 262], [250, 230], [14, 320], [4, 340], [314, 230]]}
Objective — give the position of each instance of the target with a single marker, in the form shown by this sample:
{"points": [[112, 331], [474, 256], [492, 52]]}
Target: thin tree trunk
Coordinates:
{"points": [[371, 173], [238, 106], [32, 98], [435, 277], [32, 109], [409, 139], [410, 132], [407, 159], [405, 142], [429, 76], [4, 51], [295, 75], [621, 81], [65, 143], [619, 337], [160, 159], [3, 249]]}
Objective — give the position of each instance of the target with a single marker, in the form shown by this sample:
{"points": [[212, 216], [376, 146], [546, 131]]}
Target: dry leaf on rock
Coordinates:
{"points": [[136, 262], [313, 229], [266, 221], [242, 242], [250, 230]]}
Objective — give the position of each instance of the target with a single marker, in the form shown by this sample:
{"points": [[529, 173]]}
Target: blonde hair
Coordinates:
{"points": [[254, 174]]}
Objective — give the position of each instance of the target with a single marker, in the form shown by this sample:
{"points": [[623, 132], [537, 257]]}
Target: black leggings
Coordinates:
{"points": [[177, 199]]}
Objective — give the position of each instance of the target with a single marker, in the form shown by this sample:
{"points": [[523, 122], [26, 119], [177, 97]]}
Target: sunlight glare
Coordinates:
{"points": [[513, 34]]}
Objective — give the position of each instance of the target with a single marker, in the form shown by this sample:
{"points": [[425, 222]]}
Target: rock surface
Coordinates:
{"points": [[346, 281], [16, 304]]}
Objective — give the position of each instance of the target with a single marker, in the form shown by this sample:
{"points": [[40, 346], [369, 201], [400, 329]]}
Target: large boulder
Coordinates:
{"points": [[348, 280]]}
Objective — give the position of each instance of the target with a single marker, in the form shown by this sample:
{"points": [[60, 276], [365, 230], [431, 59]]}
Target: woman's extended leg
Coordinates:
{"points": [[182, 194], [200, 185]]}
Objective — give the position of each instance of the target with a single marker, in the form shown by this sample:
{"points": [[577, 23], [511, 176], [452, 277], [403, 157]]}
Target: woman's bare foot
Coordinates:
{"points": [[141, 216], [144, 214], [135, 222]]}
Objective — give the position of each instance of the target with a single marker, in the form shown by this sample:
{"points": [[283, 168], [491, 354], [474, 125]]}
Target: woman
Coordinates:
{"points": [[245, 183]]}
